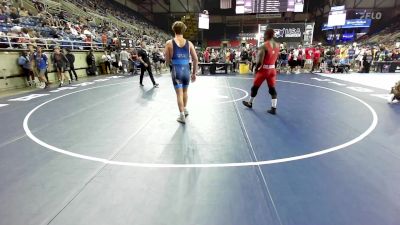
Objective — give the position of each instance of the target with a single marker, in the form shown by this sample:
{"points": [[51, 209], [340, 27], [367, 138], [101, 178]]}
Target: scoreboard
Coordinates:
{"points": [[269, 6]]}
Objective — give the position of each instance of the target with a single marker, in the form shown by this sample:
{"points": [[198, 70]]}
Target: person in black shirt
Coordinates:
{"points": [[244, 55], [156, 57], [367, 60], [71, 60], [91, 61], [145, 64]]}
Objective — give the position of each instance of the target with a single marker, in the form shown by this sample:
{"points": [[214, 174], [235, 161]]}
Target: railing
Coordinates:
{"points": [[23, 42]]}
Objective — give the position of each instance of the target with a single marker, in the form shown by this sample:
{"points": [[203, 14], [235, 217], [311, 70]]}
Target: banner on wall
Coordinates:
{"points": [[289, 32], [127, 43], [353, 23]]}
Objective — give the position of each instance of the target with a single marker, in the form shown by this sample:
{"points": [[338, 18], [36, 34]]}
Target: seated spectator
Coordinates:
{"points": [[3, 16], [38, 5], [14, 13], [23, 12], [6, 9]]}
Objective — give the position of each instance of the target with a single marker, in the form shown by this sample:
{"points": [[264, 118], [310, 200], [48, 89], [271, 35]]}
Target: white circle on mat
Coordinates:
{"points": [[359, 138]]}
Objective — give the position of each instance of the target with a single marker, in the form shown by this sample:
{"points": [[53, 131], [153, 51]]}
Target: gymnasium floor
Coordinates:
{"points": [[109, 152]]}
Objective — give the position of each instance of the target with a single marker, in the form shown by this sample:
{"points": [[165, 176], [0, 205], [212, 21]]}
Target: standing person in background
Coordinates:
{"points": [[228, 56], [26, 66], [244, 55], [296, 62], [33, 68], [300, 59], [317, 59], [106, 58], [135, 62], [41, 63], [91, 61], [206, 55], [114, 61], [156, 57], [283, 60], [145, 64], [367, 60], [213, 56], [253, 59], [60, 63], [125, 56], [351, 54], [291, 61], [329, 56], [233, 61], [71, 59], [104, 39], [309, 52], [237, 61], [177, 52]]}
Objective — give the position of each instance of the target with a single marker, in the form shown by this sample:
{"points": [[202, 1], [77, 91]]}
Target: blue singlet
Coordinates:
{"points": [[180, 65]]}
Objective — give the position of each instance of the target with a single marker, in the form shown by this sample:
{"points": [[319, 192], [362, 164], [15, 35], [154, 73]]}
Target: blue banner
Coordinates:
{"points": [[354, 23]]}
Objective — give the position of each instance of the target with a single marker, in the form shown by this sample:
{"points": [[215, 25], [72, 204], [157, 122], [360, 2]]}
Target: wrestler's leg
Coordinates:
{"points": [[258, 80]]}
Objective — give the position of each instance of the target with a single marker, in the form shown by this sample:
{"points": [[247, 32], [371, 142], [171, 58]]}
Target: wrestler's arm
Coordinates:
{"points": [[167, 53], [195, 60], [262, 51]]}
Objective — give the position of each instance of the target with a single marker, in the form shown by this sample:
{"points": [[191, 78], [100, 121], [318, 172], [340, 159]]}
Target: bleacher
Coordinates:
{"points": [[52, 22], [389, 33]]}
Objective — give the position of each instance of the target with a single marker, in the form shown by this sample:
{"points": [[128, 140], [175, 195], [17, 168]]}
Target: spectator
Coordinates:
{"points": [[91, 61], [115, 59], [232, 60], [25, 64], [41, 62], [3, 16], [135, 62], [106, 60], [206, 56], [366, 61], [317, 59], [14, 13], [125, 56], [6, 9], [156, 57], [104, 39], [244, 55], [60, 62], [71, 59]]}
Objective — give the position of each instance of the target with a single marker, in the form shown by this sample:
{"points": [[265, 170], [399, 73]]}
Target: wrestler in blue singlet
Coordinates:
{"points": [[180, 65]]}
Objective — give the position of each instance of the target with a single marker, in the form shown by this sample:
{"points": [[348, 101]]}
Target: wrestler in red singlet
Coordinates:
{"points": [[267, 56]]}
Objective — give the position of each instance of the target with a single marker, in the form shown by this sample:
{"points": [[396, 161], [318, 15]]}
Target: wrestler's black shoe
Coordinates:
{"points": [[272, 111], [248, 104]]}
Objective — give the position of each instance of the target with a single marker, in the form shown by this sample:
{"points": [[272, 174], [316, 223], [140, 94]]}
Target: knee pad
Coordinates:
{"points": [[254, 91], [272, 92]]}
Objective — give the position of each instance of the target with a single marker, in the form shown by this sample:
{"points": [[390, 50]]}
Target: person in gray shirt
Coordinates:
{"points": [[125, 56]]}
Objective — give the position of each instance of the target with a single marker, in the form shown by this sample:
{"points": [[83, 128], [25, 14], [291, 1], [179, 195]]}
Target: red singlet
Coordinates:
{"points": [[268, 72]]}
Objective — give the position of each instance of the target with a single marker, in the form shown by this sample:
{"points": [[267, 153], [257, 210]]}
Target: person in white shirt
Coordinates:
{"points": [[114, 62], [125, 56], [106, 58]]}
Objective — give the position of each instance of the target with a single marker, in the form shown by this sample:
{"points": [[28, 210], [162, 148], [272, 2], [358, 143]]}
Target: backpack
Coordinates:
{"points": [[22, 60]]}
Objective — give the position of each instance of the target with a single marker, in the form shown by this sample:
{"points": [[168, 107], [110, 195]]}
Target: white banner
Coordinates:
{"points": [[226, 4]]}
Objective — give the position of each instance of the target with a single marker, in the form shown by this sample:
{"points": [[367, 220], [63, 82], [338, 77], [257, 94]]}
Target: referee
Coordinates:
{"points": [[145, 64]]}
